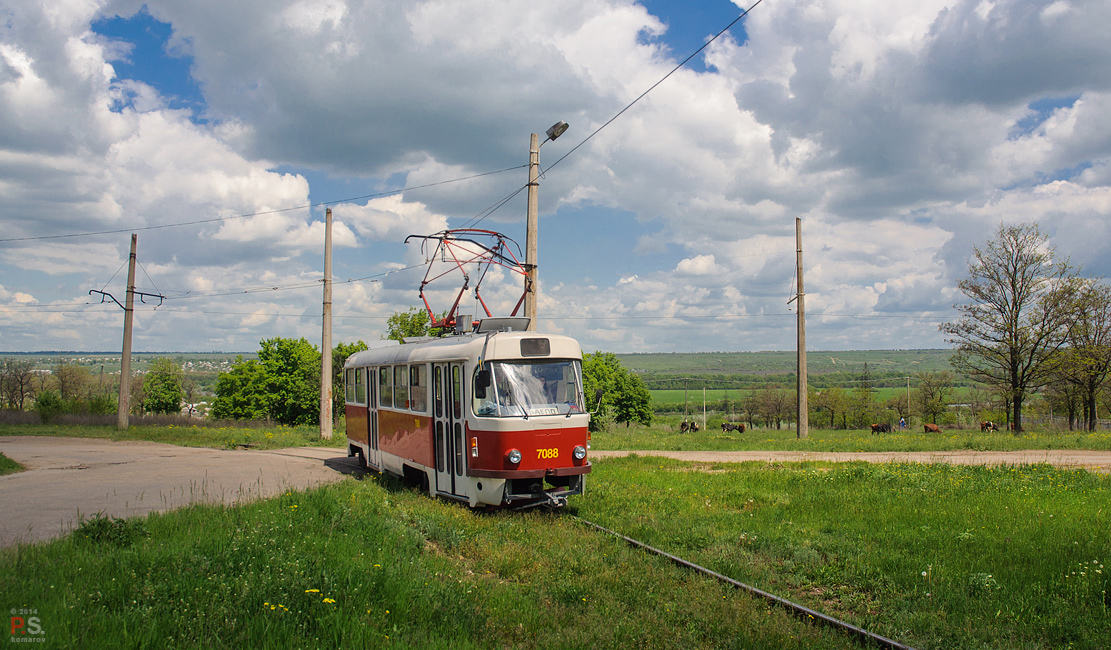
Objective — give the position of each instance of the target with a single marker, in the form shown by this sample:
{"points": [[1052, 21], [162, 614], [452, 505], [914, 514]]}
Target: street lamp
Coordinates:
{"points": [[532, 220]]}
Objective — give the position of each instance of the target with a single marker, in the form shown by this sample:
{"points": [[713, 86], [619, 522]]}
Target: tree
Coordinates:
{"points": [[293, 378], [241, 393], [1018, 317], [834, 400], [283, 385], [402, 324], [70, 379], [931, 396], [623, 391], [1086, 361], [15, 382], [162, 386]]}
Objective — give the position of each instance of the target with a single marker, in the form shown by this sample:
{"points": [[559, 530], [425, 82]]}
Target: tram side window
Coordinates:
{"points": [[401, 387], [385, 386], [438, 391], [456, 392], [360, 386], [418, 388], [349, 382]]}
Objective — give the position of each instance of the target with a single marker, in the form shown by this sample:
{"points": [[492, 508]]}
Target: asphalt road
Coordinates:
{"points": [[71, 477], [67, 478]]}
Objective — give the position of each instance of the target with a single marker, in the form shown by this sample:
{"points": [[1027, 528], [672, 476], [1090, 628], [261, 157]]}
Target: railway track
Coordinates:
{"points": [[801, 611]]}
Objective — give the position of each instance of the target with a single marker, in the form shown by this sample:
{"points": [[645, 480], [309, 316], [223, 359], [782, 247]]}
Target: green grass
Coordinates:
{"points": [[664, 435], [904, 361], [9, 466], [360, 564], [935, 556], [274, 437]]}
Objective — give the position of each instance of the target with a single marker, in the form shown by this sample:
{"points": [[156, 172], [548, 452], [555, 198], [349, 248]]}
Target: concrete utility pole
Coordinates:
{"points": [[532, 221], [326, 344], [803, 407], [531, 224], [124, 408]]}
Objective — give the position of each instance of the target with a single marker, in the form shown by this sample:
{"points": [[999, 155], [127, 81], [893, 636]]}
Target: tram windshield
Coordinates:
{"points": [[527, 388]]}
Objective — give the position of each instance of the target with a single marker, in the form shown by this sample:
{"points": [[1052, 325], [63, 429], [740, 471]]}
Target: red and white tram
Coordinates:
{"points": [[493, 417]]}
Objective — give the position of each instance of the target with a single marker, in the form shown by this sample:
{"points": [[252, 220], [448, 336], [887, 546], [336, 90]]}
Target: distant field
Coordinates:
{"points": [[694, 397], [903, 361]]}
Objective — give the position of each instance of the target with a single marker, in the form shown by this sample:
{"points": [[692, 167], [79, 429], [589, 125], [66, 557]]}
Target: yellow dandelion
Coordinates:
{"points": [[312, 591]]}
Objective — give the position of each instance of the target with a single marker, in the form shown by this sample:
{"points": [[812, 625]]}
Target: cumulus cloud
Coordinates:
{"points": [[901, 133]]}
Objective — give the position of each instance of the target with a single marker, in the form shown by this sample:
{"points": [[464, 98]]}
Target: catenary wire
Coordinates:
{"points": [[664, 78]]}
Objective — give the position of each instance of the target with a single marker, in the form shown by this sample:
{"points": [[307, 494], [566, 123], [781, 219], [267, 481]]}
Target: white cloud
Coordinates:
{"points": [[902, 133]]}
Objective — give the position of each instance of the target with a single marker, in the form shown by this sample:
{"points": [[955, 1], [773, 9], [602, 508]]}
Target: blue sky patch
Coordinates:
{"points": [[151, 61]]}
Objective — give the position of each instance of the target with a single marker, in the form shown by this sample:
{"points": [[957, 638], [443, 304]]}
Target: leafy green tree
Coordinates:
{"points": [[241, 393], [623, 391], [47, 405], [162, 386], [292, 370], [401, 324]]}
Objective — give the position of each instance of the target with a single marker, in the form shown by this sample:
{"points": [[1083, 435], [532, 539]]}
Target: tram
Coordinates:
{"points": [[494, 417]]}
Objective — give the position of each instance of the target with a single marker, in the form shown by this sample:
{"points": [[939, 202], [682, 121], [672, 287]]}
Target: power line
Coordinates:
{"points": [[664, 78], [257, 214], [498, 205]]}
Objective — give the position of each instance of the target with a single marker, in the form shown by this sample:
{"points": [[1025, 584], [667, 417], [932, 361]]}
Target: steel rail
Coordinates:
{"points": [[800, 610]]}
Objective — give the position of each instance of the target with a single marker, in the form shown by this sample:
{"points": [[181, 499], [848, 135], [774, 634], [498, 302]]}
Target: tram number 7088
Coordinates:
{"points": [[547, 453]]}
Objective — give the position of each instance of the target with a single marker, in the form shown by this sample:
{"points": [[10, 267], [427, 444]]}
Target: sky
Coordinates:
{"points": [[901, 133]]}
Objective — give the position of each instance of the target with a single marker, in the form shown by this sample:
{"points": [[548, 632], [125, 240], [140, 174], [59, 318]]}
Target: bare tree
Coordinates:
{"points": [[15, 382], [1009, 334]]}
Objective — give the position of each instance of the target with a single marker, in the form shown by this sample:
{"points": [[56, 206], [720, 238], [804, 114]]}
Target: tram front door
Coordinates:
{"points": [[448, 414]]}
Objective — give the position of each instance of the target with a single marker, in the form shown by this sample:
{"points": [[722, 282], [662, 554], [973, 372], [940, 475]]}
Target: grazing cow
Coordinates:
{"points": [[931, 428], [988, 426], [694, 427], [881, 428], [729, 426], [684, 427]]}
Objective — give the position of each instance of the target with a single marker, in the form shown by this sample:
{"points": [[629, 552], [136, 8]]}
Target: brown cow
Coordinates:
{"points": [[881, 428], [729, 426], [931, 428], [988, 426]]}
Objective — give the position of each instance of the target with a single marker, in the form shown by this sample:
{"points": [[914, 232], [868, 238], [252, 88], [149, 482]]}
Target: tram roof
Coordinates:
{"points": [[499, 346]]}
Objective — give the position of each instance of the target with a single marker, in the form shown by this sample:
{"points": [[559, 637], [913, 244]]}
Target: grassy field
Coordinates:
{"points": [[9, 466], [224, 437], [933, 556], [670, 397], [664, 434], [361, 564], [904, 361]]}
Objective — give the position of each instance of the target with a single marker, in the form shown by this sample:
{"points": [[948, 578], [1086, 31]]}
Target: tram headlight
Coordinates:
{"points": [[579, 453], [514, 456]]}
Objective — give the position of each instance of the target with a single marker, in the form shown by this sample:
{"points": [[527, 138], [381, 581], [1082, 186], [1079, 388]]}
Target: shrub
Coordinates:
{"points": [[47, 405]]}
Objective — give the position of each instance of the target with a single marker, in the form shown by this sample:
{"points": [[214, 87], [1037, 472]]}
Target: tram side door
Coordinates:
{"points": [[448, 416], [372, 417]]}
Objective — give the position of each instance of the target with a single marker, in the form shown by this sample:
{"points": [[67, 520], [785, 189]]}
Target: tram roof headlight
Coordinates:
{"points": [[514, 456]]}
